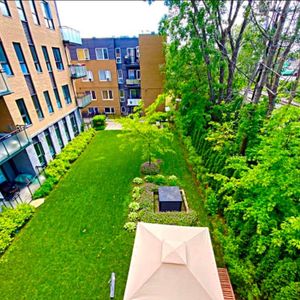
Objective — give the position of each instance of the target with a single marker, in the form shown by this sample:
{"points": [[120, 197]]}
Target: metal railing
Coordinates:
{"points": [[4, 89], [70, 35], [13, 142], [78, 71], [133, 81], [84, 100]]}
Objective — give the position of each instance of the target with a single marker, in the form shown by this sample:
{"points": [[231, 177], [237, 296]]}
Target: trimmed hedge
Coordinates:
{"points": [[99, 122], [62, 163], [142, 206], [11, 220]]}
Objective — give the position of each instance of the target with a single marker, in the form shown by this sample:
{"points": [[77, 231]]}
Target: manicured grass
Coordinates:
{"points": [[76, 239]]}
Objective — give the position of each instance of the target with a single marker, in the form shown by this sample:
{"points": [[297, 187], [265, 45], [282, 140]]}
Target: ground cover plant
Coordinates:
{"points": [[76, 239]]}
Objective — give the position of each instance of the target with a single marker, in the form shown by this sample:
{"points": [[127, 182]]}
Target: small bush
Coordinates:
{"points": [[133, 216], [149, 169], [136, 192], [162, 180], [99, 122], [45, 188], [130, 226], [12, 220], [134, 206], [173, 180], [138, 180]]}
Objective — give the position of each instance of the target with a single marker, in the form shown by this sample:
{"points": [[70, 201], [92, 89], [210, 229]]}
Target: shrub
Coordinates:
{"points": [[57, 168], [133, 216], [137, 180], [162, 180], [136, 192], [130, 226], [99, 122], [173, 180], [134, 206], [45, 188], [12, 220], [149, 169]]}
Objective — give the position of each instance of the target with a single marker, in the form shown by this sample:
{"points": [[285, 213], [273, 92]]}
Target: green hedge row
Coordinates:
{"points": [[11, 220], [62, 163], [142, 206], [99, 122]]}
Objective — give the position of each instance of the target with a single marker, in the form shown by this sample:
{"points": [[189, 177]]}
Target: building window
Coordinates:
{"points": [[89, 76], [47, 60], [48, 102], [58, 135], [21, 10], [4, 8], [58, 59], [123, 109], [4, 62], [74, 124], [137, 49], [134, 94], [47, 14], [39, 151], [92, 93], [107, 95], [118, 55], [35, 59], [131, 74], [105, 75], [101, 53], [57, 98], [35, 16], [37, 107], [109, 110], [120, 76], [131, 54], [137, 74], [49, 142], [67, 95], [23, 111], [21, 58], [83, 54], [93, 111], [66, 129], [122, 95]]}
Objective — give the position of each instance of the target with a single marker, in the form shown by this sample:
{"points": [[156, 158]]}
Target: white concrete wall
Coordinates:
{"points": [[63, 133], [70, 127], [33, 158], [43, 141], [54, 139]]}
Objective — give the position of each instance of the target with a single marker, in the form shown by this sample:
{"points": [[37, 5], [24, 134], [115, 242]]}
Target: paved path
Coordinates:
{"points": [[113, 125]]}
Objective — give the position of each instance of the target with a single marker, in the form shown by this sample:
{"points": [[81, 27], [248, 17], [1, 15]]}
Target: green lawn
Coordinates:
{"points": [[76, 239]]}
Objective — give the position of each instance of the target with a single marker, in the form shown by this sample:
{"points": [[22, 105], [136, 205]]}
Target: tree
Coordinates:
{"points": [[151, 138]]}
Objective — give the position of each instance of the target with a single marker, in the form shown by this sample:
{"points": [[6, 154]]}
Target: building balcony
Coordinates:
{"points": [[78, 71], [133, 102], [84, 100], [131, 61], [70, 35], [4, 89], [12, 143], [133, 81]]}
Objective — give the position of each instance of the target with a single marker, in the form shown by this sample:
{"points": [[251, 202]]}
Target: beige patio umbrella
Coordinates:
{"points": [[172, 263]]}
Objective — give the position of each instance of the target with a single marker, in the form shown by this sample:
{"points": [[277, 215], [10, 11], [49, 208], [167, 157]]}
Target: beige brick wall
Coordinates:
{"points": [[98, 86], [152, 60], [12, 31]]}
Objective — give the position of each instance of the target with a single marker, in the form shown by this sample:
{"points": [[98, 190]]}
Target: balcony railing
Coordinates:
{"points": [[84, 100], [133, 102], [70, 35], [78, 71], [4, 89], [133, 81], [131, 60], [12, 143]]}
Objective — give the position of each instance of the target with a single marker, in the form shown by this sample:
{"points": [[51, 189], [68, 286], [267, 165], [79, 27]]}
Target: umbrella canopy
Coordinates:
{"points": [[172, 262]]}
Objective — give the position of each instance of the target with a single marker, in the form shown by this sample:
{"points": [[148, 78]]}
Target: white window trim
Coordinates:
{"points": [[108, 99], [102, 53], [89, 76], [138, 74], [122, 98], [118, 59], [110, 110], [137, 51], [107, 73], [85, 51], [93, 99]]}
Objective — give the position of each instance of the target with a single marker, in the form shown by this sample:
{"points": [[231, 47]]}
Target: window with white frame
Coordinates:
{"points": [[101, 53], [122, 95], [131, 74], [118, 55], [131, 54], [123, 109], [138, 74], [89, 76], [120, 76], [92, 93], [104, 75], [137, 49], [107, 95], [134, 93], [83, 54], [109, 110]]}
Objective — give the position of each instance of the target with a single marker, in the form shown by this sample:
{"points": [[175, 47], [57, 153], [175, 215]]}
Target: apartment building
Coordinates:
{"points": [[121, 72], [38, 110]]}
